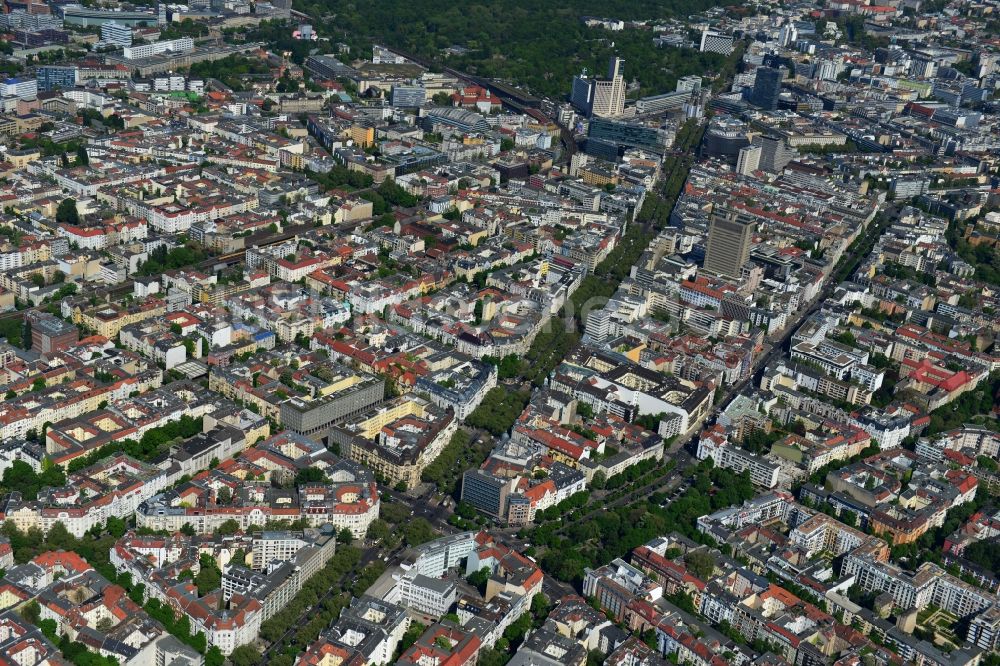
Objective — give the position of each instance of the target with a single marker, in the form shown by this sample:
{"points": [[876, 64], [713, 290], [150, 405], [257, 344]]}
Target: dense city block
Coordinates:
{"points": [[507, 332]]}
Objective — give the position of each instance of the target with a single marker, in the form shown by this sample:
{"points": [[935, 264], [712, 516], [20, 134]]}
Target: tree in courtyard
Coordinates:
{"points": [[66, 212]]}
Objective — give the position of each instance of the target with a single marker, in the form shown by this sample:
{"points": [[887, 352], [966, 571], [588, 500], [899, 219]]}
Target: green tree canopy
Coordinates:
{"points": [[66, 213]]}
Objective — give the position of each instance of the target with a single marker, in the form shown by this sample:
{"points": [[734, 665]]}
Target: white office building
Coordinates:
{"points": [[716, 42], [20, 88], [116, 34], [438, 556], [182, 45], [430, 596]]}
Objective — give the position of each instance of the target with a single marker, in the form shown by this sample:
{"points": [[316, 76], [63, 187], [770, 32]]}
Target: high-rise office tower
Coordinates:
{"points": [[582, 94], [729, 236], [788, 34], [775, 154], [766, 88], [609, 94], [616, 67], [748, 160]]}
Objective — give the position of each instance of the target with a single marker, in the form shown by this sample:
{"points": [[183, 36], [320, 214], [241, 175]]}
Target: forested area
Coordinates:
{"points": [[387, 196], [984, 553], [277, 35], [21, 477], [537, 44], [340, 177], [549, 348]]}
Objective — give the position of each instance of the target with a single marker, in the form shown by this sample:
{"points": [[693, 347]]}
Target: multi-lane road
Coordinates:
{"points": [[779, 343], [368, 556]]}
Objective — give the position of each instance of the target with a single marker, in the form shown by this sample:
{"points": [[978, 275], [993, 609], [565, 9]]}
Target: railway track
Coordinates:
{"points": [[513, 97]]}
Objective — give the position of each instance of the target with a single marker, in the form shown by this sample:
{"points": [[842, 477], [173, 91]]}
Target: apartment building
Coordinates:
{"points": [[460, 387], [397, 439], [616, 584], [714, 443], [274, 545], [181, 45], [349, 501], [779, 617], [368, 631], [109, 318], [929, 584], [611, 384], [343, 394], [49, 333], [443, 644], [821, 533], [111, 488]]}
